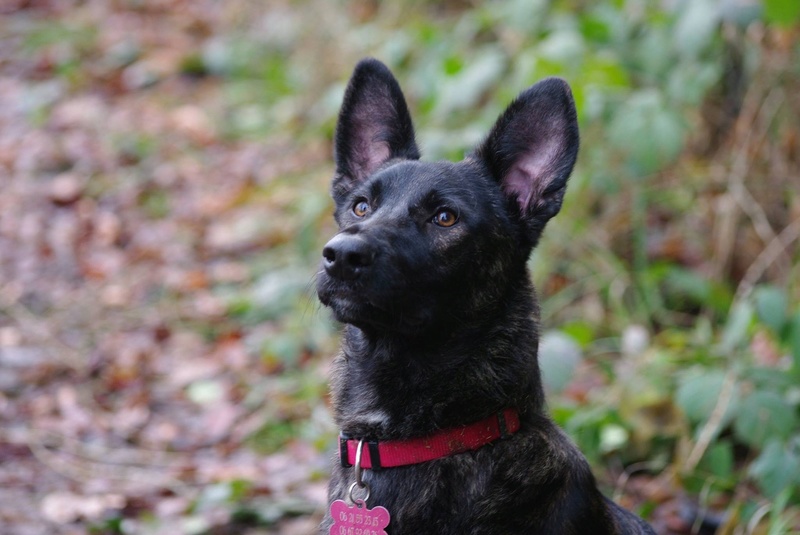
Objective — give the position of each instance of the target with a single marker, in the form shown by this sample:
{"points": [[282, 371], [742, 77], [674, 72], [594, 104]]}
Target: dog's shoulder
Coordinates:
{"points": [[568, 499]]}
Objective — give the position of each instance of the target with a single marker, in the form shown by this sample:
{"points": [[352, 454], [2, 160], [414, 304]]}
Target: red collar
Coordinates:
{"points": [[446, 442]]}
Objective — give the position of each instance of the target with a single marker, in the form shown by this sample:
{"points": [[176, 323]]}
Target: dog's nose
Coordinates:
{"points": [[346, 256]]}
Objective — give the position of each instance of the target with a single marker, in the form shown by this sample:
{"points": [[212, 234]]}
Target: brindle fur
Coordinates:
{"points": [[441, 323]]}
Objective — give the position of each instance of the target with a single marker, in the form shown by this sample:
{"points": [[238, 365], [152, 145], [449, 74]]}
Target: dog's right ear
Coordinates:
{"points": [[374, 126], [531, 151]]}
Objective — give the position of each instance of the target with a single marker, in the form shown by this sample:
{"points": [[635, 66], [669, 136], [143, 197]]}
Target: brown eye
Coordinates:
{"points": [[361, 208], [445, 218]]}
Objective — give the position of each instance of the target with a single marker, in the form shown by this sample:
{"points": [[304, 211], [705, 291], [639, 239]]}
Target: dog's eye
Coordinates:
{"points": [[360, 208], [445, 218]]}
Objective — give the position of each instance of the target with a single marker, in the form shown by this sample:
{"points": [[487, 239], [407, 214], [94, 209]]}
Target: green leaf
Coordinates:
{"points": [[650, 134], [735, 333], [585, 427], [463, 89], [718, 460], [690, 84], [793, 338], [595, 29], [773, 379], [559, 355], [776, 468], [580, 331], [563, 46], [452, 65], [771, 306], [762, 416], [687, 288], [782, 12], [604, 72], [273, 436], [653, 52], [697, 396], [741, 14], [613, 437], [778, 522], [696, 27]]}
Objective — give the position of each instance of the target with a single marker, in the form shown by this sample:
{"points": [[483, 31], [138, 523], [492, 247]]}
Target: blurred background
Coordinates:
{"points": [[164, 168]]}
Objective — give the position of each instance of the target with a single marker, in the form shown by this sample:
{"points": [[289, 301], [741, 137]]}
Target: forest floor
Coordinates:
{"points": [[163, 358]]}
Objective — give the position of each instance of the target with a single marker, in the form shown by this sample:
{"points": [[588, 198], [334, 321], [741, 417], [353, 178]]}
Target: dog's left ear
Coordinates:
{"points": [[531, 151], [374, 126]]}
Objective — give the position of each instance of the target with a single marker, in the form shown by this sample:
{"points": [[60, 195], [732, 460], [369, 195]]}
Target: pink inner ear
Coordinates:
{"points": [[370, 153], [369, 150], [531, 173]]}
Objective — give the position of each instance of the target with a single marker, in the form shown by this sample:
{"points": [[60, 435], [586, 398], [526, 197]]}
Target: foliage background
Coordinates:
{"points": [[163, 202]]}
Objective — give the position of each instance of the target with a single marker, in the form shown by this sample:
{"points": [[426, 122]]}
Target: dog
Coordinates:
{"points": [[437, 389]]}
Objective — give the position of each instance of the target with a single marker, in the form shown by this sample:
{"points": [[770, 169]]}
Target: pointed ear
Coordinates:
{"points": [[374, 126], [532, 148]]}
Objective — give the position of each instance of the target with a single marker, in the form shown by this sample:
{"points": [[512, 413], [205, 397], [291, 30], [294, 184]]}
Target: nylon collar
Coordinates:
{"points": [[391, 453]]}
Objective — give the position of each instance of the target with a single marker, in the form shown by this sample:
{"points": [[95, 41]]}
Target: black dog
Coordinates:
{"points": [[437, 390]]}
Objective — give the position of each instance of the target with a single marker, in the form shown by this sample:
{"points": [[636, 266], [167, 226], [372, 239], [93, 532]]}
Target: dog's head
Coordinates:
{"points": [[425, 245]]}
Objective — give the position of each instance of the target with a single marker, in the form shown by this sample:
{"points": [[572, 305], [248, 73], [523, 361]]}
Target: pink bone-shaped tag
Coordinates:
{"points": [[357, 519]]}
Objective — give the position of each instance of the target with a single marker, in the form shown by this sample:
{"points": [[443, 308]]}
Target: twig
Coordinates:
{"points": [[713, 424], [83, 465], [702, 506], [624, 477], [724, 233], [766, 111], [760, 513], [762, 262], [87, 462], [34, 327], [741, 166]]}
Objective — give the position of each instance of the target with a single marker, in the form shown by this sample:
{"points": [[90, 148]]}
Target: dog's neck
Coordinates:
{"points": [[383, 389]]}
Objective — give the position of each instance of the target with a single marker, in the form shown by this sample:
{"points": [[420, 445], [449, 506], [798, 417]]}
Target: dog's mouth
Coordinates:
{"points": [[351, 303]]}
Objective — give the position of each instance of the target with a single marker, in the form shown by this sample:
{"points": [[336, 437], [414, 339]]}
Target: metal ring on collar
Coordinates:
{"points": [[359, 483], [359, 450], [361, 501]]}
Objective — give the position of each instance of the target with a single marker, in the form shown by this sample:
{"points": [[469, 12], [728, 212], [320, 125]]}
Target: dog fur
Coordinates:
{"points": [[428, 273]]}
